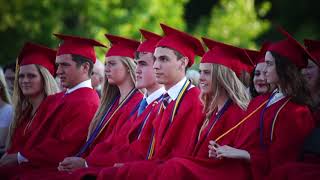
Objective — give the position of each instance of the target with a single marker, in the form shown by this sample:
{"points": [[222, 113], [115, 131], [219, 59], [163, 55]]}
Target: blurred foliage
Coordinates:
{"points": [[33, 20], [300, 18], [235, 22], [245, 23]]}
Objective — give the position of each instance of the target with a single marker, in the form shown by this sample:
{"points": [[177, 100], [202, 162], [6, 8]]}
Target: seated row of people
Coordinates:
{"points": [[151, 121]]}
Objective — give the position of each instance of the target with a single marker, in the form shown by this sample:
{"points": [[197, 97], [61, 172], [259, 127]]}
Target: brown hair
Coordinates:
{"points": [[291, 81]]}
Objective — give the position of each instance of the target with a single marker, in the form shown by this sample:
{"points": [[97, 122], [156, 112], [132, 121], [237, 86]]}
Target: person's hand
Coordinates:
{"points": [[212, 149], [71, 163], [226, 151], [118, 164], [8, 160]]}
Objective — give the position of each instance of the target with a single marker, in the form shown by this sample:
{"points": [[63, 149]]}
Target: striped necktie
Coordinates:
{"points": [[166, 100]]}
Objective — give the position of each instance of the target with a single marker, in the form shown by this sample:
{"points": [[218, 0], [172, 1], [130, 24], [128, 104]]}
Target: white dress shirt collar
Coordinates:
{"points": [[155, 95], [83, 84], [173, 92], [277, 97]]}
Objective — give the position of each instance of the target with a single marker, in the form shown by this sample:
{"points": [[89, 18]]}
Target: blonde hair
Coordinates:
{"points": [[23, 108], [110, 92], [245, 78], [224, 79], [5, 96]]}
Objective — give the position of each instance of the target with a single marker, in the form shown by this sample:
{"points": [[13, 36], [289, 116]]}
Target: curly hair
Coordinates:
{"points": [[291, 81]]}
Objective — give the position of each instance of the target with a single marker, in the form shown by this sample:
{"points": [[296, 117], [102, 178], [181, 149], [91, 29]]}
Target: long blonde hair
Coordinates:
{"points": [[110, 92], [224, 79], [21, 105], [5, 96]]}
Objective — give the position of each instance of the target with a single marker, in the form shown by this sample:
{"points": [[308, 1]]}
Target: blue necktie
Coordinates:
{"points": [[142, 106]]}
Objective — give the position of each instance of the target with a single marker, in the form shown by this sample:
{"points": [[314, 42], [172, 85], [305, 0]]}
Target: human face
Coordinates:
{"points": [[144, 71], [9, 76], [70, 75], [97, 76], [259, 79], [168, 69], [271, 72], [205, 78], [311, 74], [30, 80], [116, 72]]}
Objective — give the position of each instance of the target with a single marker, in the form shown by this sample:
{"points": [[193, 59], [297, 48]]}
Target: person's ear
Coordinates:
{"points": [[86, 67], [184, 63]]}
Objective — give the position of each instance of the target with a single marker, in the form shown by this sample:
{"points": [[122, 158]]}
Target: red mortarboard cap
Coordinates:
{"points": [[258, 56], [150, 42], [227, 55], [313, 47], [291, 49], [37, 54], [182, 42], [238, 58], [78, 46], [253, 54], [121, 46]]}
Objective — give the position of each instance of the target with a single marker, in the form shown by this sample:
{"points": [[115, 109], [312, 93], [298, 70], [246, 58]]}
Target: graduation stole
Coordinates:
{"points": [[101, 126], [241, 122], [263, 145], [123, 102], [30, 121], [209, 126], [276, 116], [178, 101], [144, 122]]}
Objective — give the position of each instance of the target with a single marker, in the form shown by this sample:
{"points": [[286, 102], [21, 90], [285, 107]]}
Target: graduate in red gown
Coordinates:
{"points": [[35, 82], [309, 167], [285, 120], [120, 101], [180, 111], [64, 124], [225, 101]]}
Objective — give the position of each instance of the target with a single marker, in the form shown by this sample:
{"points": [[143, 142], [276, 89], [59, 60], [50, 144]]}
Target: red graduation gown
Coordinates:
{"points": [[126, 146], [293, 123], [172, 142], [199, 166], [19, 137], [129, 147], [22, 133], [112, 132], [176, 139], [64, 127], [101, 145], [62, 130], [296, 171]]}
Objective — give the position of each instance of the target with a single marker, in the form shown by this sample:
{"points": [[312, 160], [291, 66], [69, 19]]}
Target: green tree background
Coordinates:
{"points": [[244, 23]]}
